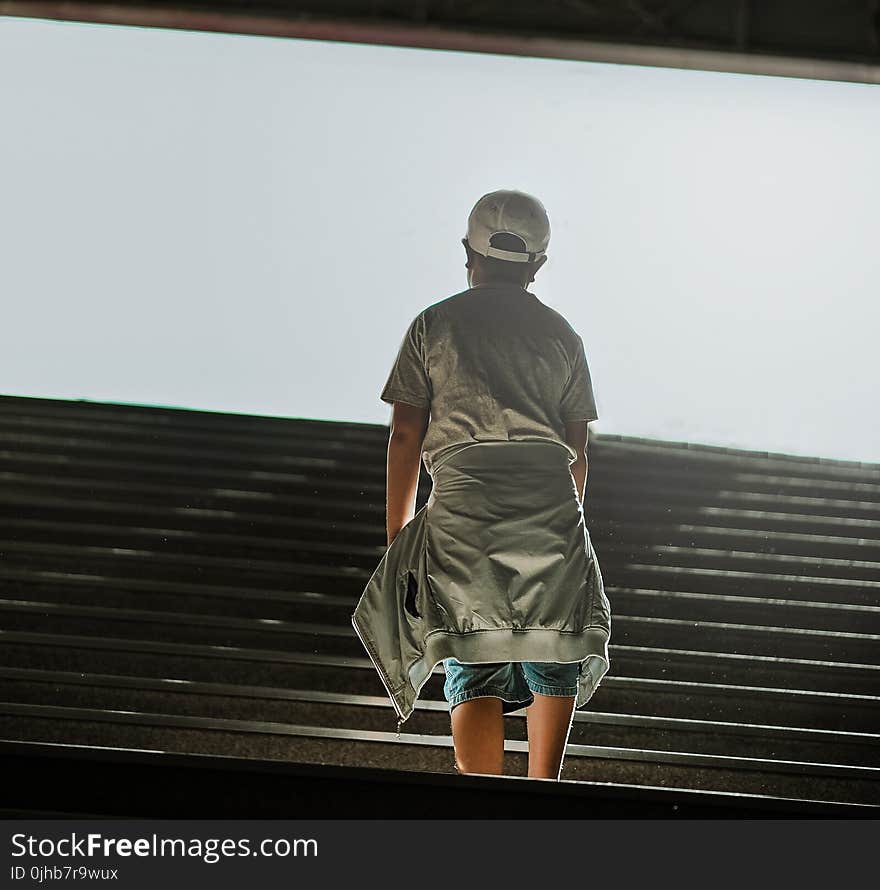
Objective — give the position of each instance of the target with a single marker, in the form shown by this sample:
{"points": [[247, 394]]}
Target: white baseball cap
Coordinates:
{"points": [[514, 213]]}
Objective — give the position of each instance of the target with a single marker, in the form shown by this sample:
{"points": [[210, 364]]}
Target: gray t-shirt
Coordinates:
{"points": [[492, 363]]}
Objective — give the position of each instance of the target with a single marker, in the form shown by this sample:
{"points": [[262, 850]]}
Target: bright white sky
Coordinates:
{"points": [[248, 224]]}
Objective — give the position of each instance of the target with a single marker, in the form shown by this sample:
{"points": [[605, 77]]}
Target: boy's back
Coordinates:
{"points": [[492, 363]]}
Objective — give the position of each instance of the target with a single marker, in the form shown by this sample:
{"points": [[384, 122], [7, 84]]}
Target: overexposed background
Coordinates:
{"points": [[248, 224]]}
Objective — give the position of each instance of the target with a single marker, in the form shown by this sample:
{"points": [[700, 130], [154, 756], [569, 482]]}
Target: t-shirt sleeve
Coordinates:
{"points": [[408, 380], [578, 401]]}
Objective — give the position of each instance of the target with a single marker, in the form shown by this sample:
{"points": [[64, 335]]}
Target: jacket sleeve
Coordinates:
{"points": [[577, 401], [408, 380]]}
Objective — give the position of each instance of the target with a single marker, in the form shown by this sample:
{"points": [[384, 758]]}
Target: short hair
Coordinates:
{"points": [[506, 270]]}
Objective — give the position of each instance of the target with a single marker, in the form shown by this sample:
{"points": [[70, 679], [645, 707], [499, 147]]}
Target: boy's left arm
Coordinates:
{"points": [[408, 427]]}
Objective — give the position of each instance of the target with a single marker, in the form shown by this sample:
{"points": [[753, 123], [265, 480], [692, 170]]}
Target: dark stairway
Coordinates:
{"points": [[183, 581]]}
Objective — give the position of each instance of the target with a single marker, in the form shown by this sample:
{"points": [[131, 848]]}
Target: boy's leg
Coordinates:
{"points": [[478, 736], [549, 721]]}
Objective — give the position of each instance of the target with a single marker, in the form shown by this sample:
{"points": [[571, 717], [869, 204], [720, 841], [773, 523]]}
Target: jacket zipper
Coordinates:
{"points": [[381, 673]]}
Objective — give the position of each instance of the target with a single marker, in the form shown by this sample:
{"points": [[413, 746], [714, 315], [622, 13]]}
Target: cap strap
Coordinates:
{"points": [[517, 256]]}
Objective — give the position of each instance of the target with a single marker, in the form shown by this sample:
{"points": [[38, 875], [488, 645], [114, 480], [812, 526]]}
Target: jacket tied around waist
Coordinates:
{"points": [[496, 566]]}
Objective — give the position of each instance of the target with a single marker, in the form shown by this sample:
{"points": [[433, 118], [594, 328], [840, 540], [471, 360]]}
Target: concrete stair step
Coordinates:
{"points": [[321, 608], [726, 696], [344, 574], [303, 706], [331, 745], [149, 624]]}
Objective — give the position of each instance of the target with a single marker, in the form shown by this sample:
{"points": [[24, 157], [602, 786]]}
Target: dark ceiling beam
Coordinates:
{"points": [[817, 39]]}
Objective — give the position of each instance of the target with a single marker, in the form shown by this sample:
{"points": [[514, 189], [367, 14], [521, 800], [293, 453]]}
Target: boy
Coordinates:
{"points": [[492, 390]]}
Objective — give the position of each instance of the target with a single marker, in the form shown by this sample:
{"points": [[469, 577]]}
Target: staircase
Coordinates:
{"points": [[183, 581]]}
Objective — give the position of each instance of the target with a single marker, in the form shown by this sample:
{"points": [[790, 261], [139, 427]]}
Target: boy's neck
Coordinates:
{"points": [[499, 284]]}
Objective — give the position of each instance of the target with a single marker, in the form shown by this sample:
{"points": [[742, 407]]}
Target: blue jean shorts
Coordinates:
{"points": [[514, 682]]}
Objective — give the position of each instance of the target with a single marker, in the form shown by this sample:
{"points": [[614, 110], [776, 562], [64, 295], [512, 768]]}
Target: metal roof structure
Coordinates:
{"points": [[820, 39]]}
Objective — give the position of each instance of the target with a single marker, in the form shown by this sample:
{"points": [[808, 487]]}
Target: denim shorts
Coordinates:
{"points": [[514, 682]]}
